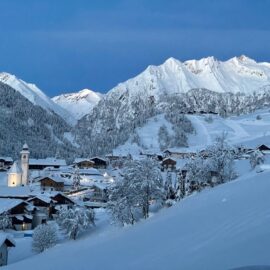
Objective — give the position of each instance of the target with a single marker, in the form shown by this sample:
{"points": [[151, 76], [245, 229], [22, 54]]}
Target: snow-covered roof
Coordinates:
{"points": [[78, 160], [103, 159], [48, 162], [7, 204], [41, 197], [15, 168], [4, 238], [8, 159], [25, 146], [55, 178], [20, 191], [169, 158]]}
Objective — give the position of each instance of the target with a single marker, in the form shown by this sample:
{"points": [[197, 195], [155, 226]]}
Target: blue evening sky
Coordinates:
{"points": [[66, 45]]}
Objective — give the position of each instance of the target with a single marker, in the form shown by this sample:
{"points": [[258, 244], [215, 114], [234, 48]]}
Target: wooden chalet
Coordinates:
{"points": [[51, 183], [5, 244], [61, 199], [168, 164], [83, 163], [19, 213], [99, 163]]}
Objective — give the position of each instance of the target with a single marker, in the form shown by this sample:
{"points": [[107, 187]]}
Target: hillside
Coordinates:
{"points": [[21, 121], [249, 130], [221, 228], [80, 103]]}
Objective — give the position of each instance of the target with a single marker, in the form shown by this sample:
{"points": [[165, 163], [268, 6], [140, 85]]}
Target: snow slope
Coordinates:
{"points": [[35, 95], [244, 130], [80, 103], [221, 228]]}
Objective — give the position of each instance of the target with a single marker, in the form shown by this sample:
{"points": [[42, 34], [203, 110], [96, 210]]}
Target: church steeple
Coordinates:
{"points": [[25, 164]]}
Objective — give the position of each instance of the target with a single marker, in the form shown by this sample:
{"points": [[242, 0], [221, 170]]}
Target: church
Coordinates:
{"points": [[18, 174]]}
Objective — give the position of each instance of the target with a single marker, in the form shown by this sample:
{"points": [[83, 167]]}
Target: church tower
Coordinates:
{"points": [[25, 164]]}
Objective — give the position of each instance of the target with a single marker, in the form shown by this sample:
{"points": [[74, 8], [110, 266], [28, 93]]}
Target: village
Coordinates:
{"points": [[32, 191]]}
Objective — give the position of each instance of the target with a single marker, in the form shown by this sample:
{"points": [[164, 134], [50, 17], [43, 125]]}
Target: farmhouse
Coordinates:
{"points": [[51, 183], [17, 210], [83, 163], [99, 163], [168, 164]]}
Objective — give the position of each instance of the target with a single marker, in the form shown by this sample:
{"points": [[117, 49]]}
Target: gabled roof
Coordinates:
{"points": [[78, 160], [4, 238], [100, 158], [55, 178], [8, 204], [41, 197], [15, 168]]}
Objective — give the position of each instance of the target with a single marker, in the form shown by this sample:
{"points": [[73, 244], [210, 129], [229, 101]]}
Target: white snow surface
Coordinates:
{"points": [[35, 96], [221, 228], [79, 103]]}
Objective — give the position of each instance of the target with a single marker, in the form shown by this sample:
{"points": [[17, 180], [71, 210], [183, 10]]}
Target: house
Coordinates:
{"points": [[98, 193], [5, 163], [51, 183], [263, 148], [83, 163], [168, 164], [61, 199], [18, 212], [5, 243], [43, 209], [41, 164], [99, 163]]}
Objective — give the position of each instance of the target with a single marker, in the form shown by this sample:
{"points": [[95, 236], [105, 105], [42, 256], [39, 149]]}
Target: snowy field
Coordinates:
{"points": [[222, 228]]}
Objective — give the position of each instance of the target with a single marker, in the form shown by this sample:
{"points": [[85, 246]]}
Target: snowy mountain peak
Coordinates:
{"points": [[236, 75], [78, 103], [35, 95]]}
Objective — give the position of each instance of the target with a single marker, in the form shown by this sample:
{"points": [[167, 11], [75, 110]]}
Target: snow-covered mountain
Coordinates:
{"points": [[35, 96], [208, 85], [80, 103], [236, 75]]}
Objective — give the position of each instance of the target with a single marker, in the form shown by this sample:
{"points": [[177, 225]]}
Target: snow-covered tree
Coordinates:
{"points": [[197, 173], [75, 220], [164, 138], [170, 192], [145, 178], [221, 159], [256, 158], [141, 183], [76, 178], [44, 237], [5, 221]]}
